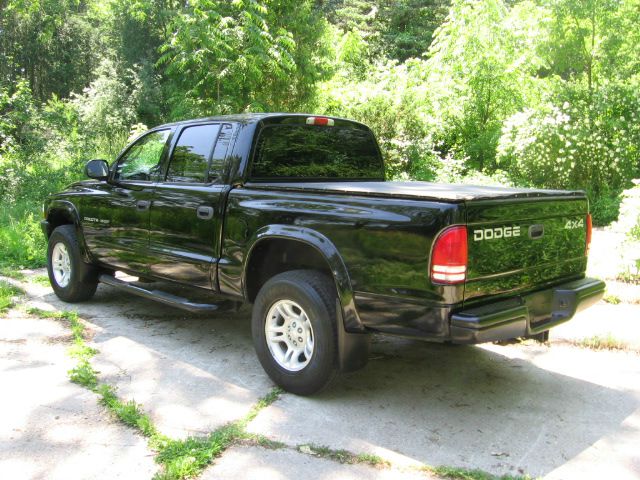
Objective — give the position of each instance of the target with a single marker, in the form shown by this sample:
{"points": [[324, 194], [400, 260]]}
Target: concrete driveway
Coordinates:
{"points": [[558, 411]]}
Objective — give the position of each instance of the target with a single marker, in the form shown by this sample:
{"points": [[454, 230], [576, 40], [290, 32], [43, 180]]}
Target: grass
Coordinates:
{"points": [[454, 473], [7, 294], [612, 299], [187, 458], [12, 272], [343, 456], [83, 373], [602, 342], [41, 279], [22, 243], [180, 459]]}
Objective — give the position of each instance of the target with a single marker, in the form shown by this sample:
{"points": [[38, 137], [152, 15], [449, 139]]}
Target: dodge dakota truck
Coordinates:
{"points": [[291, 213]]}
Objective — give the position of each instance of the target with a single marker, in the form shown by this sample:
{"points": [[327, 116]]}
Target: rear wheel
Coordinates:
{"points": [[294, 330], [72, 279]]}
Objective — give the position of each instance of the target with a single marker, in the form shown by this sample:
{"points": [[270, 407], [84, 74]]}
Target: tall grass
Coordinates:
{"points": [[22, 243]]}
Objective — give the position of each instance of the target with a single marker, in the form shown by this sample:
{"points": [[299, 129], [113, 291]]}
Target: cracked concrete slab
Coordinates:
{"points": [[507, 410], [193, 373], [559, 411], [49, 427], [253, 463]]}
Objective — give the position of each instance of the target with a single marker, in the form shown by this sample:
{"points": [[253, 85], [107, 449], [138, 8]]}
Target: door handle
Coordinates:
{"points": [[204, 213], [143, 205]]}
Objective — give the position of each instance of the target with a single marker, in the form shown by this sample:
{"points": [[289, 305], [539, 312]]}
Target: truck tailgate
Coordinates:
{"points": [[522, 245]]}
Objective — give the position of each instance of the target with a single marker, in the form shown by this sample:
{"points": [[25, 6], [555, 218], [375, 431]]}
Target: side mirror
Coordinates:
{"points": [[97, 169]]}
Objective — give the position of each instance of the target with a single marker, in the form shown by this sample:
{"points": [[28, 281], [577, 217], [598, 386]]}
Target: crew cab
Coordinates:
{"points": [[292, 213]]}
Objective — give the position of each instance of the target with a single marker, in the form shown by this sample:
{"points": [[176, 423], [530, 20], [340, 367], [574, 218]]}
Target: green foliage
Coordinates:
{"points": [[107, 108], [343, 456], [51, 43], [603, 342], [605, 209], [7, 294], [244, 55], [481, 69], [454, 473], [629, 222], [21, 241], [630, 214], [395, 29], [582, 140], [532, 93], [130, 413]]}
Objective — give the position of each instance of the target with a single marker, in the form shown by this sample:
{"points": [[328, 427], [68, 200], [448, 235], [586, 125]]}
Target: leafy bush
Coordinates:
{"points": [[22, 243], [605, 209], [586, 140], [629, 222]]}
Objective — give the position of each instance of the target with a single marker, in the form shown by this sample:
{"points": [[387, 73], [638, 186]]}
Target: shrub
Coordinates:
{"points": [[586, 140], [22, 243], [605, 208]]}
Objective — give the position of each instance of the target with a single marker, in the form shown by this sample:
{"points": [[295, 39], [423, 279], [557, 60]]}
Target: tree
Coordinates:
{"points": [[481, 69], [51, 43], [246, 54]]}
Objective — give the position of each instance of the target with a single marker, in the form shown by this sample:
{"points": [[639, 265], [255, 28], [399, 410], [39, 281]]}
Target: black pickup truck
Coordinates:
{"points": [[292, 213]]}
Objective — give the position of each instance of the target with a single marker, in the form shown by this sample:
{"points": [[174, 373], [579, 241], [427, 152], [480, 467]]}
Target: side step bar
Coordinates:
{"points": [[158, 295]]}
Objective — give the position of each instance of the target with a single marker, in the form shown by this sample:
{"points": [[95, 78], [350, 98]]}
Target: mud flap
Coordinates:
{"points": [[353, 348]]}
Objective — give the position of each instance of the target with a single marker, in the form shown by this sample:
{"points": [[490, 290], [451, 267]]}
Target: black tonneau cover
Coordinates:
{"points": [[413, 190]]}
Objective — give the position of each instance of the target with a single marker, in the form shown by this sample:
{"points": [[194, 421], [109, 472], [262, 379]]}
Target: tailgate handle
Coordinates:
{"points": [[536, 231]]}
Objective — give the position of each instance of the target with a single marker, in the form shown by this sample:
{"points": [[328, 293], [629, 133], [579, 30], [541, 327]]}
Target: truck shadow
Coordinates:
{"points": [[462, 406]]}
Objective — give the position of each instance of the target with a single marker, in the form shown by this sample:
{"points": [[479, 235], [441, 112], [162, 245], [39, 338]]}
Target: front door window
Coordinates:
{"points": [[142, 160]]}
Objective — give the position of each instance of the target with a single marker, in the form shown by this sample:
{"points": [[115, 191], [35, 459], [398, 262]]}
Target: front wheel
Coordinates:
{"points": [[72, 279], [294, 330]]}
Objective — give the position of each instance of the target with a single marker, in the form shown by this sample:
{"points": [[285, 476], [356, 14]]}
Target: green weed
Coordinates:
{"points": [[262, 441], [41, 280], [187, 458], [22, 243], [343, 456], [455, 473], [84, 374], [612, 299], [602, 342], [11, 272], [130, 413], [7, 294]]}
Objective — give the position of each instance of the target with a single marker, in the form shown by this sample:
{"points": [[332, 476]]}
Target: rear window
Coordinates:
{"points": [[314, 152]]}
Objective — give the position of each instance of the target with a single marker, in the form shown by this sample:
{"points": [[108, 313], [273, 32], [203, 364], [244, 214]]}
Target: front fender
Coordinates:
{"points": [[57, 209]]}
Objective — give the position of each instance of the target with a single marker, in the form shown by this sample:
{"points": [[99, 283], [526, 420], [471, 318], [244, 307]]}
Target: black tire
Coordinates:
{"points": [[315, 293], [83, 277]]}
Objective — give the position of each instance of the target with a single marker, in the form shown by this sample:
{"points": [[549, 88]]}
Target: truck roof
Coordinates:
{"points": [[248, 118]]}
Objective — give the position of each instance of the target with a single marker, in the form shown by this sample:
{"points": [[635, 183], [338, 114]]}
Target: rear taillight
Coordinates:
{"points": [[449, 256], [589, 228]]}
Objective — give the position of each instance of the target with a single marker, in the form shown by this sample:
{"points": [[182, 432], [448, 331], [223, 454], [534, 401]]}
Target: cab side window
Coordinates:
{"points": [[142, 159], [192, 153]]}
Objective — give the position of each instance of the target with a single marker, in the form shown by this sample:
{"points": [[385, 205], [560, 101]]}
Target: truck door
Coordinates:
{"points": [[115, 219], [188, 206]]}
